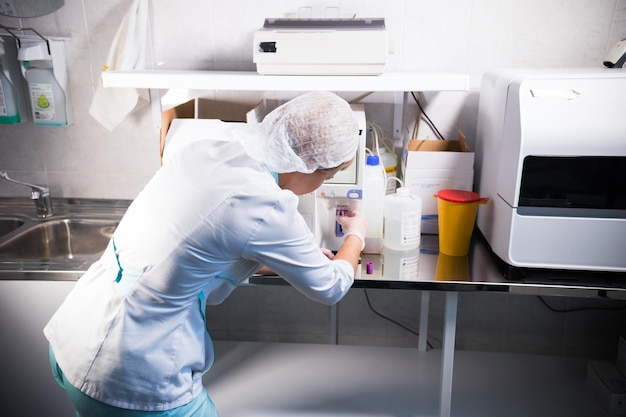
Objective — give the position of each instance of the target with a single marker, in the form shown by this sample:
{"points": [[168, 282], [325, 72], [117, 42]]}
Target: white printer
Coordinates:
{"points": [[336, 46], [551, 156]]}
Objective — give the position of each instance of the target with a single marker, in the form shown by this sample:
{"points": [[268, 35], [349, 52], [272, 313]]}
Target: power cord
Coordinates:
{"points": [[397, 323], [571, 310], [430, 122], [545, 303]]}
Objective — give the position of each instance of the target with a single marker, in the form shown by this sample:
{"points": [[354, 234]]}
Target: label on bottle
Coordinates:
{"points": [[42, 101], [410, 230], [400, 265], [409, 268]]}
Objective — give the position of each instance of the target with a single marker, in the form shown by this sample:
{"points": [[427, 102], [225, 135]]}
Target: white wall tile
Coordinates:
{"points": [[502, 34], [573, 33], [435, 36], [618, 28]]}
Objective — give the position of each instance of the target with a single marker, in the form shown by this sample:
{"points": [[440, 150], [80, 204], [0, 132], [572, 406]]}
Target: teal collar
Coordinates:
{"points": [[274, 174]]}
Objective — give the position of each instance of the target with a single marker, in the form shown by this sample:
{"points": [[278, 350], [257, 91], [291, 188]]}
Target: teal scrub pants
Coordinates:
{"points": [[86, 406]]}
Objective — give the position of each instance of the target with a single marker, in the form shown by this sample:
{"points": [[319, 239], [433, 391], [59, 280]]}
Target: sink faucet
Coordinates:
{"points": [[39, 194]]}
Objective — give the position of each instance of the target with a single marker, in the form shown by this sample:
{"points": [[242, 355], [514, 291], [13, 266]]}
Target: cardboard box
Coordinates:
{"points": [[433, 165], [609, 386], [201, 109]]}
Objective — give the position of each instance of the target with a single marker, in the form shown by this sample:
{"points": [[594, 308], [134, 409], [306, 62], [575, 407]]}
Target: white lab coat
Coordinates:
{"points": [[132, 332]]}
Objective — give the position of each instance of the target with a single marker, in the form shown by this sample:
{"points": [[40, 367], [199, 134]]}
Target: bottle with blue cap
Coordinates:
{"points": [[374, 189]]}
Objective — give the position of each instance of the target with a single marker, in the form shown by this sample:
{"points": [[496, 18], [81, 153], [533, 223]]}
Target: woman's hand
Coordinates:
{"points": [[354, 223], [328, 253], [354, 226]]}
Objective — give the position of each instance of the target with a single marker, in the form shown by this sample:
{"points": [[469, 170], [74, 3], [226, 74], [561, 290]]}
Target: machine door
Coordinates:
{"points": [[573, 186]]}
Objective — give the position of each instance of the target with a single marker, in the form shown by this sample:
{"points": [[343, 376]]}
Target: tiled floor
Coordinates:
{"points": [[278, 380]]}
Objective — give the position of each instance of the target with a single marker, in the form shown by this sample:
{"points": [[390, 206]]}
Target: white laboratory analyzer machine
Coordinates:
{"points": [[551, 156]]}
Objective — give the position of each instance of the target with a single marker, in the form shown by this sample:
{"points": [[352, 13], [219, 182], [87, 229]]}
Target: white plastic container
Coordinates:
{"points": [[372, 203], [390, 163], [47, 99], [400, 265], [402, 214], [9, 111]]}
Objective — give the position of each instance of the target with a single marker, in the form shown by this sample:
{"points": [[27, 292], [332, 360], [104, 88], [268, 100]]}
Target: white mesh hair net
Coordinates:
{"points": [[312, 131]]}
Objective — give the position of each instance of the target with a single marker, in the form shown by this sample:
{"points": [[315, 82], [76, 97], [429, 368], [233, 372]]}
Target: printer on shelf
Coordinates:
{"points": [[551, 156], [334, 46]]}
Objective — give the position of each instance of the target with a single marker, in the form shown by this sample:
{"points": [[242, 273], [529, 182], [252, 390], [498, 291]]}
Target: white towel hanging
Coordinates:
{"points": [[128, 51]]}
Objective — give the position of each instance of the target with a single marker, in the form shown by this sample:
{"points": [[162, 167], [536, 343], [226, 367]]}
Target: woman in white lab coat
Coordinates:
{"points": [[131, 339]]}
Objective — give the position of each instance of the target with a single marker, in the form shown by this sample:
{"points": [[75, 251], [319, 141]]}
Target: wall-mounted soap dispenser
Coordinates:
{"points": [[12, 100], [44, 66]]}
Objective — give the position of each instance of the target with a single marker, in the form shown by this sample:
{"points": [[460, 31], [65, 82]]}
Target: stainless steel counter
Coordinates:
{"points": [[481, 270]]}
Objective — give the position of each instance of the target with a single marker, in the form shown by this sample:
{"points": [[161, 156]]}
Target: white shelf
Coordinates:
{"points": [[251, 81]]}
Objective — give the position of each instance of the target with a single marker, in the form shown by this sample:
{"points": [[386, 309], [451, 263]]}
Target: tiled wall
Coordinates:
{"points": [[486, 321], [469, 36]]}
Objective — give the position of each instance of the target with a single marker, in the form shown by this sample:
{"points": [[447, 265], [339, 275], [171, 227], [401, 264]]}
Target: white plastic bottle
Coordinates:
{"points": [[400, 265], [9, 113], [47, 97], [402, 220], [390, 163], [373, 194]]}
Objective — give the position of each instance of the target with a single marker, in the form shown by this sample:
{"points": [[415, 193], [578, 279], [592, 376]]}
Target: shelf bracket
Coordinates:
{"points": [[155, 107]]}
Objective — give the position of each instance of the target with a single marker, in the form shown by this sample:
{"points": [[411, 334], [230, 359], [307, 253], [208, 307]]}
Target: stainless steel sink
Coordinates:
{"points": [[60, 247], [59, 238], [9, 225]]}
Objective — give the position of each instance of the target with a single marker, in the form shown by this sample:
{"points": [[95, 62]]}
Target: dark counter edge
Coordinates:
{"points": [[459, 286]]}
